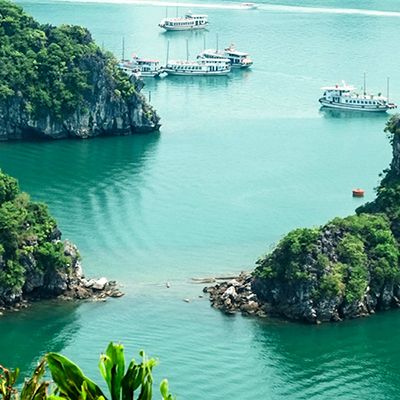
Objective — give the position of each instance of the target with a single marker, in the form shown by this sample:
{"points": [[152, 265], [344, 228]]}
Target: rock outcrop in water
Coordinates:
{"points": [[34, 262], [55, 82], [347, 268]]}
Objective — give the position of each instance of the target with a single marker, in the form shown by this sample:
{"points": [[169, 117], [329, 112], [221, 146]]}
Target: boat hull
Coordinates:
{"points": [[182, 28], [243, 7], [349, 107], [241, 66], [150, 74], [196, 73]]}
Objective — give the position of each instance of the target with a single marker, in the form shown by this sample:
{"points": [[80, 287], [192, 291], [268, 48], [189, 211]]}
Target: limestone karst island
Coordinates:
{"points": [[199, 200]]}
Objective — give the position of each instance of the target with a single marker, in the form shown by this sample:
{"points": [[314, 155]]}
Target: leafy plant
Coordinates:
{"points": [[69, 382], [34, 388]]}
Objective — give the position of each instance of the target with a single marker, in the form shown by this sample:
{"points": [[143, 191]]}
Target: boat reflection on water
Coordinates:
{"points": [[330, 113]]}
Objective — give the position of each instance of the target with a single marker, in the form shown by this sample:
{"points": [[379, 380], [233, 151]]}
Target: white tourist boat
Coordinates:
{"points": [[248, 6], [201, 67], [141, 66], [344, 97], [189, 22], [237, 59]]}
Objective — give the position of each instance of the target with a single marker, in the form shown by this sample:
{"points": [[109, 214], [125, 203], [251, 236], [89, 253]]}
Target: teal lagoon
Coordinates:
{"points": [[239, 161]]}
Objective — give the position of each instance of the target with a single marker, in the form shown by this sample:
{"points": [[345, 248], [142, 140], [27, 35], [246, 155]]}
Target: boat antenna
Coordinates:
{"points": [[217, 41], [365, 84], [167, 53], [204, 42], [123, 48], [387, 89], [187, 49]]}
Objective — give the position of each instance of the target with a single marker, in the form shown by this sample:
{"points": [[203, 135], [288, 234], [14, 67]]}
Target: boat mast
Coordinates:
{"points": [[177, 11], [166, 12], [365, 84], [204, 42], [187, 49], [167, 53], [217, 41], [387, 89]]}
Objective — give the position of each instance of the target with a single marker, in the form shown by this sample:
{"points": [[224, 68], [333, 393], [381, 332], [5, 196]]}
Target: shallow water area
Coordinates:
{"points": [[239, 161]]}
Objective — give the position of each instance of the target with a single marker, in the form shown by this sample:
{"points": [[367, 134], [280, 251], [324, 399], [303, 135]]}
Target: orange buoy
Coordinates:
{"points": [[358, 193]]}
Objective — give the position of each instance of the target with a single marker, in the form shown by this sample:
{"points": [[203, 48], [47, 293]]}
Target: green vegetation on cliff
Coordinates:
{"points": [[346, 268], [342, 258], [50, 68], [29, 240]]}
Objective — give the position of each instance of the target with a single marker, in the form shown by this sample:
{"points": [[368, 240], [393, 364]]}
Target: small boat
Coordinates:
{"points": [[142, 66], [248, 6], [236, 58], [199, 67], [358, 193], [188, 22], [344, 97]]}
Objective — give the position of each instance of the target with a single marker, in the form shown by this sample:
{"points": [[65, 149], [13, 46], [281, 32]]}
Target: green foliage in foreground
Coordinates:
{"points": [[25, 235], [52, 69], [69, 382]]}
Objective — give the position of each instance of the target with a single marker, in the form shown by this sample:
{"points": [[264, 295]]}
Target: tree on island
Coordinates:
{"points": [[57, 82]]}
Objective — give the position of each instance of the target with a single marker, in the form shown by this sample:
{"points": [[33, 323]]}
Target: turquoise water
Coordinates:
{"points": [[240, 161]]}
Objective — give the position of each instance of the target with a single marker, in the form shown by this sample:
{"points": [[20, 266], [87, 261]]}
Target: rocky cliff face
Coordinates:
{"points": [[67, 282], [104, 113], [393, 130], [343, 286], [55, 82]]}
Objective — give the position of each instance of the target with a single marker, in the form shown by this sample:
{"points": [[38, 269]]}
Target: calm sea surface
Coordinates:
{"points": [[240, 161]]}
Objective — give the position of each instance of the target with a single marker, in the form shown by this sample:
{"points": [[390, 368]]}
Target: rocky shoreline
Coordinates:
{"points": [[66, 285], [236, 295], [90, 290]]}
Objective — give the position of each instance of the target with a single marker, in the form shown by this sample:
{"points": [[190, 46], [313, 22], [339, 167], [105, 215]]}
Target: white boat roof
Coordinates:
{"points": [[339, 87], [222, 53], [213, 52], [147, 60], [238, 53], [177, 19], [186, 17], [191, 15], [183, 62], [211, 60]]}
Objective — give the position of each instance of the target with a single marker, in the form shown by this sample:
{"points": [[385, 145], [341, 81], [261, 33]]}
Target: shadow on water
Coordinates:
{"points": [[329, 113], [360, 357], [29, 334], [80, 165]]}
